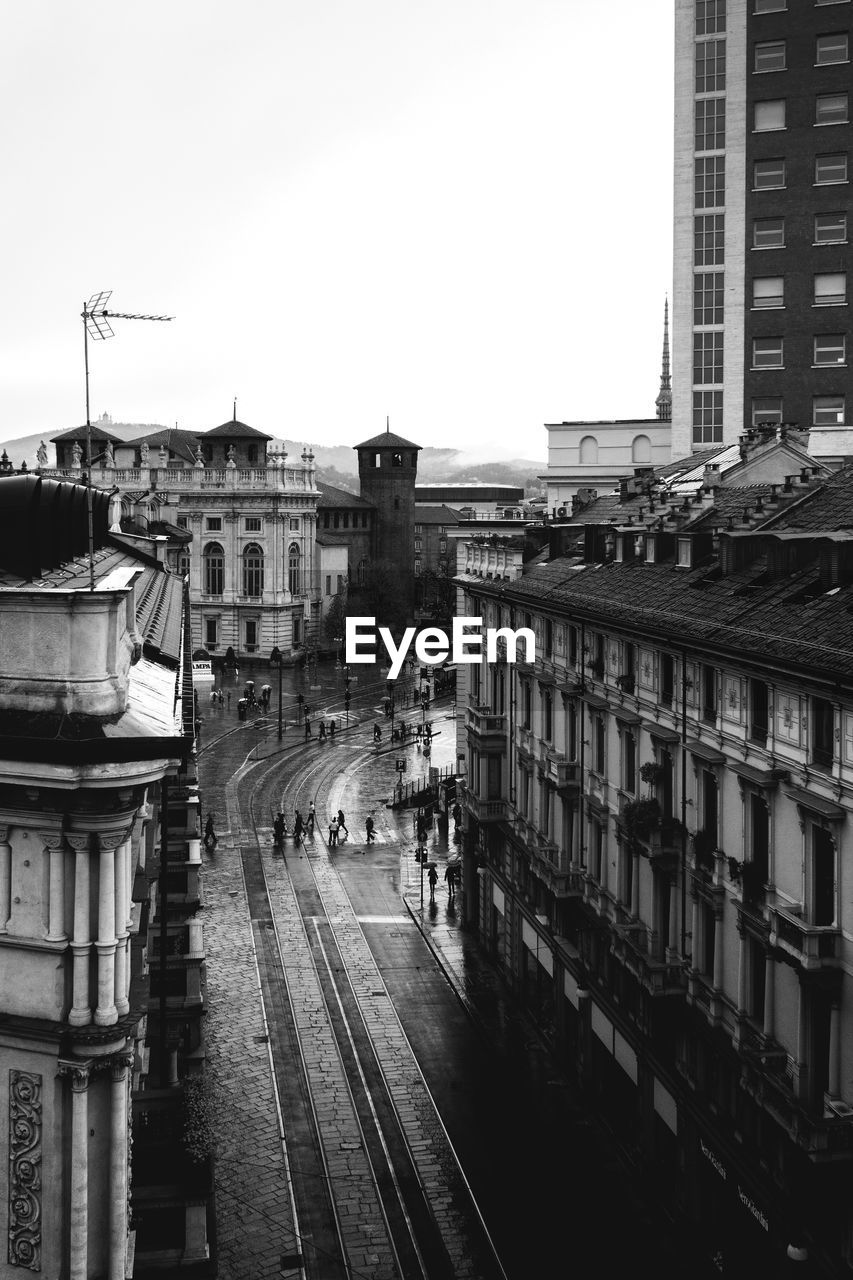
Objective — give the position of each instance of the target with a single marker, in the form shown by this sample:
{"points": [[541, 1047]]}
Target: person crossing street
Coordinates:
{"points": [[342, 826]]}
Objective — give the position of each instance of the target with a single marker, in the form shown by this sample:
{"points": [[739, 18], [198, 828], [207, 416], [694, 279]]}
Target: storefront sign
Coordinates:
{"points": [[744, 1196]]}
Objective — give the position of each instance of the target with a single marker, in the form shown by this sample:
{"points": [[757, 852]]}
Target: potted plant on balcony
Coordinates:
{"points": [[626, 681], [652, 773], [639, 819], [596, 666]]}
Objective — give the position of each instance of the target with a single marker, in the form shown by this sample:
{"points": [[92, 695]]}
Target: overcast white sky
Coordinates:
{"points": [[454, 212]]}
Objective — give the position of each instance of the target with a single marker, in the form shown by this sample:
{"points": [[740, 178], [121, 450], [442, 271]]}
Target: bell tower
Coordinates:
{"points": [[387, 471]]}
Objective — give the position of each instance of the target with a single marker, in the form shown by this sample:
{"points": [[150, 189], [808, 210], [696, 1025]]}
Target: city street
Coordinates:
{"points": [[383, 1109]]}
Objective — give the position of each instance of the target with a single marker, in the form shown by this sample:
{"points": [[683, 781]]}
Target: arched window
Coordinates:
{"points": [[294, 568], [253, 570], [641, 449], [361, 572], [589, 449], [214, 569]]}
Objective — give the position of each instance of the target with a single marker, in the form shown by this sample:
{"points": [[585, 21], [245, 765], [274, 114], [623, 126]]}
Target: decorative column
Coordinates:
{"points": [[81, 944], [696, 941], [78, 1248], [742, 975], [673, 917], [106, 1013], [5, 879], [635, 885], [54, 843], [118, 1168], [122, 936]]}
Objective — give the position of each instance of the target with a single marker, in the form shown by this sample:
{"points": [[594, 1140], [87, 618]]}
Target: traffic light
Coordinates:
{"points": [[346, 699]]}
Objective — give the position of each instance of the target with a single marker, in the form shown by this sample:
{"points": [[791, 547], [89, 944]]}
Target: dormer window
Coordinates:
{"points": [[684, 557]]}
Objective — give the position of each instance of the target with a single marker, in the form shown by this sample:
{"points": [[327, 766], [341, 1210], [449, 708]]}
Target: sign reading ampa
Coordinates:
{"points": [[433, 645]]}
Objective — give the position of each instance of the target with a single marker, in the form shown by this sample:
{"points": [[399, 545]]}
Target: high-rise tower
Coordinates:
{"points": [[762, 134]]}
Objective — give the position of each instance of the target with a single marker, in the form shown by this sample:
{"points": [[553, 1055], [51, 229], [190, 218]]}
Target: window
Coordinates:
{"points": [[211, 633], [294, 524], [821, 895], [707, 417], [830, 348], [710, 128], [830, 49], [709, 694], [525, 703], [328, 584], [767, 353], [294, 569], [769, 116], [768, 291], [419, 545], [830, 169], [707, 358], [709, 183], [710, 17], [828, 411], [589, 450], [830, 228], [710, 807], [213, 524], [252, 453], [710, 66], [251, 635], [599, 755], [253, 524], [214, 569], [418, 565], [708, 239], [770, 56], [182, 522], [831, 108], [641, 449], [758, 711], [767, 409], [297, 632], [184, 563], [768, 233], [629, 761], [361, 572], [830, 287], [396, 459], [768, 174], [667, 679], [708, 298], [253, 570], [547, 717]]}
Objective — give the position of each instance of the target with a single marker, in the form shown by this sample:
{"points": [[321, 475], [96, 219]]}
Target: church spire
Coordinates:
{"points": [[664, 398]]}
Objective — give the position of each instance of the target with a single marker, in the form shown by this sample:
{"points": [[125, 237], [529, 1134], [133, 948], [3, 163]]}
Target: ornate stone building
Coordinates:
{"points": [[659, 816], [89, 732]]}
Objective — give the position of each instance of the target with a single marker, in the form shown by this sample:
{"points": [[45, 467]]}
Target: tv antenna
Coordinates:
{"points": [[96, 325]]}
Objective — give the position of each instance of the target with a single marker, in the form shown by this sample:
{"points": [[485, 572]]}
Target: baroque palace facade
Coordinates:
{"points": [[659, 818]]}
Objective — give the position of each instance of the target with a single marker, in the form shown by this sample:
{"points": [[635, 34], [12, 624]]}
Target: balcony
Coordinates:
{"points": [[561, 771], [813, 946], [490, 730], [629, 944], [486, 810], [550, 864]]}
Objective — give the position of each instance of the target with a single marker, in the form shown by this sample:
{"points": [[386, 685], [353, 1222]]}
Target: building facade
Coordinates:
{"points": [[659, 809], [89, 738], [762, 133]]}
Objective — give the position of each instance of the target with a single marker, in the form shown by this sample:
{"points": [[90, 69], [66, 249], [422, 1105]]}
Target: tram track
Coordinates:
{"points": [[415, 1234]]}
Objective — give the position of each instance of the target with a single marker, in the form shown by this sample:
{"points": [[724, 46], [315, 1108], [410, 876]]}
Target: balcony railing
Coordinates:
{"points": [[483, 723], [199, 478], [486, 810], [562, 771], [814, 946]]}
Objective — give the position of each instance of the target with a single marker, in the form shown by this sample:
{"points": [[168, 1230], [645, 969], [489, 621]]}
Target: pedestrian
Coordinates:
{"points": [[432, 876], [279, 828], [228, 696], [419, 731], [310, 820], [322, 734], [221, 699], [377, 733], [210, 837], [450, 878], [457, 815], [331, 730], [298, 827], [333, 833], [369, 828], [307, 728], [342, 826], [213, 696]]}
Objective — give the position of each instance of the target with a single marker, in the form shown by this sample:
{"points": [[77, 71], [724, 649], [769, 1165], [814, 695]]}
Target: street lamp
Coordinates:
{"points": [[390, 686], [275, 657]]}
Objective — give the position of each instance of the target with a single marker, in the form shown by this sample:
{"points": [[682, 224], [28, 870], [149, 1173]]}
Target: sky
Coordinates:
{"points": [[453, 214]]}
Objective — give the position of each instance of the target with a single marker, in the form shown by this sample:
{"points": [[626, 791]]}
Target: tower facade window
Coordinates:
{"points": [[214, 569], [294, 569], [253, 570]]}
